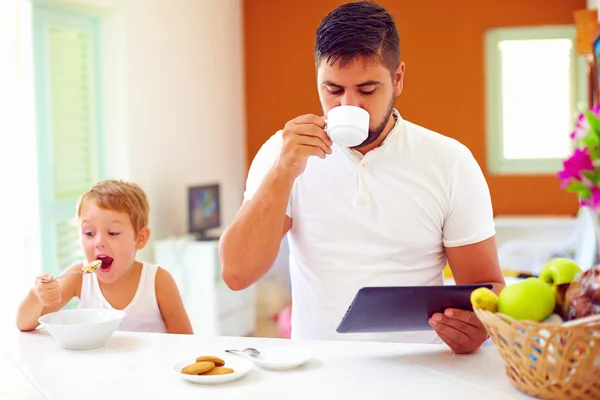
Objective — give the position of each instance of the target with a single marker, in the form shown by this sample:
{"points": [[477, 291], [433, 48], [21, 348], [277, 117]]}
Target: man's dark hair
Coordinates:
{"points": [[360, 29]]}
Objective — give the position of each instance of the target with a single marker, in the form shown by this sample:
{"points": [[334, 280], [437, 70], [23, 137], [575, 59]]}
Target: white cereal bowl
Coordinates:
{"points": [[82, 329]]}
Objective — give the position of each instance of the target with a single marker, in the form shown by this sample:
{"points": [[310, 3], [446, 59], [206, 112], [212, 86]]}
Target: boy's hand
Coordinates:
{"points": [[47, 293]]}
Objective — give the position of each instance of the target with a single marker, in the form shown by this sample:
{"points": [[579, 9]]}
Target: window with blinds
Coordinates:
{"points": [[69, 135]]}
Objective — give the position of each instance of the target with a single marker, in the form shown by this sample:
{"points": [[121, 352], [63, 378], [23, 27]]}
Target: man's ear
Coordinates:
{"points": [[142, 238], [399, 79]]}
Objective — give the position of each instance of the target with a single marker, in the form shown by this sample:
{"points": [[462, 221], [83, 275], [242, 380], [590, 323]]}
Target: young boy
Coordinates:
{"points": [[113, 223]]}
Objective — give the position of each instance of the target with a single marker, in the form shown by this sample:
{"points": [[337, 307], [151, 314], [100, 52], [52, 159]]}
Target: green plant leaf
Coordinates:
{"points": [[579, 188], [594, 122], [593, 176], [595, 153], [592, 141]]}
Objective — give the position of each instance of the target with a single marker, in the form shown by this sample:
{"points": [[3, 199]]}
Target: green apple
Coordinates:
{"points": [[559, 271], [531, 299]]}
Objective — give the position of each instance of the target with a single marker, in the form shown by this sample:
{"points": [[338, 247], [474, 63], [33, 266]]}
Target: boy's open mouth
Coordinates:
{"points": [[106, 261]]}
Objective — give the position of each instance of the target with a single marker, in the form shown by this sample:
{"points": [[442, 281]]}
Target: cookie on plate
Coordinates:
{"points": [[198, 368], [219, 371], [216, 360]]}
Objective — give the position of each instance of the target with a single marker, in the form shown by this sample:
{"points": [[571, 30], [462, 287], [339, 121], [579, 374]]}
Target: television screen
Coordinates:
{"points": [[204, 209]]}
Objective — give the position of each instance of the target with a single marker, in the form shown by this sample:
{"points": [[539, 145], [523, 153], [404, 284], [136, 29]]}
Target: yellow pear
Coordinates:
{"points": [[485, 299]]}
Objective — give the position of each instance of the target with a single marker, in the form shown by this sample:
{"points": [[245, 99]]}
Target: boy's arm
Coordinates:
{"points": [[57, 293], [170, 304]]}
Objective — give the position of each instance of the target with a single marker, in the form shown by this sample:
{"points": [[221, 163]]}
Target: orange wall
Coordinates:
{"points": [[442, 44]]}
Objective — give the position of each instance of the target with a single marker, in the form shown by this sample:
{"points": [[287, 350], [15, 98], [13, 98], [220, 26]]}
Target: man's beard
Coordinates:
{"points": [[376, 132]]}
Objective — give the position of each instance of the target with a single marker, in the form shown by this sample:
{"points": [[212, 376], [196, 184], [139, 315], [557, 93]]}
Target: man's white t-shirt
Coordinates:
{"points": [[381, 219]]}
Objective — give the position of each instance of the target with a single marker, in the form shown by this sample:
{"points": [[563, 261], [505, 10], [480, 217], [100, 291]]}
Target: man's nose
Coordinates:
{"points": [[350, 99]]}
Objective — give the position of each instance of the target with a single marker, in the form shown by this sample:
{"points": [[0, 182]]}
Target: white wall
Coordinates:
{"points": [[17, 195], [179, 118]]}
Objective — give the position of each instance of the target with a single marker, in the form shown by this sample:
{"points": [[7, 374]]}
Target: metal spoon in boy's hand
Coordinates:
{"points": [[87, 269]]}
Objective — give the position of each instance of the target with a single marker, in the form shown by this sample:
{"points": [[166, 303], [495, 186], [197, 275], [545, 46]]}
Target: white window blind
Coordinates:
{"points": [[69, 133], [74, 137], [535, 86]]}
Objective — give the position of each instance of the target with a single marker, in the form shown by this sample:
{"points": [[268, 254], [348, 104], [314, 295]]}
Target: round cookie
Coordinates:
{"points": [[219, 371], [198, 368], [216, 360]]}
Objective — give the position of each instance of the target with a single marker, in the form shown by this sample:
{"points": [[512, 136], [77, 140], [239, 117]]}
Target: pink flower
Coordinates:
{"points": [[573, 166], [581, 127], [592, 201]]}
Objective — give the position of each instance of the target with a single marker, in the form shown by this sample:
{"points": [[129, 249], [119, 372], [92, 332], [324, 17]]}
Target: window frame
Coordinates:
{"points": [[53, 211], [496, 163]]}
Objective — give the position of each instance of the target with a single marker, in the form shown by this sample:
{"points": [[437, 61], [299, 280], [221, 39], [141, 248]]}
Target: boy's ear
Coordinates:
{"points": [[142, 238]]}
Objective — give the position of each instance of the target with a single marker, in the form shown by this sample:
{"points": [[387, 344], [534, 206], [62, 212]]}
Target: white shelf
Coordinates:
{"points": [[213, 308]]}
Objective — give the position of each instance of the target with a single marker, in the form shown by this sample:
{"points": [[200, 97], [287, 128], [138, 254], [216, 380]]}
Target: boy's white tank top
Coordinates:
{"points": [[143, 313]]}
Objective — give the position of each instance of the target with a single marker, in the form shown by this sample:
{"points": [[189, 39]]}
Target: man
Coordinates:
{"points": [[390, 211]]}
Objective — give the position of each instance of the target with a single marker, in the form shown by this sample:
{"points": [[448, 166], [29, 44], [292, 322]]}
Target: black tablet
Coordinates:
{"points": [[403, 308]]}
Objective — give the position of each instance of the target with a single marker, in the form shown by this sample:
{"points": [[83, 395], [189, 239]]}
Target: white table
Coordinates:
{"points": [[139, 365]]}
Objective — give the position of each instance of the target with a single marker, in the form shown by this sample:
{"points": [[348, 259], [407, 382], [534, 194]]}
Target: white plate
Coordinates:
{"points": [[281, 357], [240, 367]]}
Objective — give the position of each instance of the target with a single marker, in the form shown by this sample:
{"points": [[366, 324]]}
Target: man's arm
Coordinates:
{"points": [[469, 228], [250, 244], [476, 263], [473, 263], [470, 246]]}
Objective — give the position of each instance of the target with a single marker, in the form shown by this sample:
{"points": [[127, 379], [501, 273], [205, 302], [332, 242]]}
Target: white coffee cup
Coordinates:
{"points": [[348, 125]]}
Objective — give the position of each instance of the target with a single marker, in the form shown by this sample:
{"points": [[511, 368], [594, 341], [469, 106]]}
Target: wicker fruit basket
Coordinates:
{"points": [[545, 360]]}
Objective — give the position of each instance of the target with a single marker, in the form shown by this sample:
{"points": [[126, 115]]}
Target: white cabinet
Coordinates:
{"points": [[213, 308]]}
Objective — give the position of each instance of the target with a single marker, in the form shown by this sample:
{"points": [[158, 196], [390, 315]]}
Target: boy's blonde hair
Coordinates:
{"points": [[120, 196]]}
